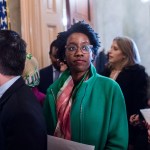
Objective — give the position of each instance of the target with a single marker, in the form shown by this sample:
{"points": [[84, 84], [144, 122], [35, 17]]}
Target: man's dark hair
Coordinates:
{"points": [[79, 27], [12, 53], [54, 43]]}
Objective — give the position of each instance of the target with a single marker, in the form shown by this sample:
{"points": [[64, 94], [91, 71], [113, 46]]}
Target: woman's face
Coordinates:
{"points": [[78, 60], [115, 55]]}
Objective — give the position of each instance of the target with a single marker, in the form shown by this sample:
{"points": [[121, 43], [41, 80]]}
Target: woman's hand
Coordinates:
{"points": [[148, 134], [134, 120]]}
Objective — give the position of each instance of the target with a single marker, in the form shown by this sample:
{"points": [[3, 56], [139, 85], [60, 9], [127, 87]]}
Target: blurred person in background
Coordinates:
{"points": [[100, 61], [32, 77], [50, 73], [22, 124], [124, 67]]}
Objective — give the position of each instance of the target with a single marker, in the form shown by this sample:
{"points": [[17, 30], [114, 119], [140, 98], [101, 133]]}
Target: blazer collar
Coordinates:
{"points": [[14, 87]]}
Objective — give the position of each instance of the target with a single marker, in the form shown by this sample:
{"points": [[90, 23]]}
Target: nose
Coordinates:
{"points": [[110, 50], [79, 52], [109, 53]]}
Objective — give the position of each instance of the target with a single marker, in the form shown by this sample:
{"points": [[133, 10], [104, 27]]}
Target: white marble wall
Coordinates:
{"points": [[124, 17]]}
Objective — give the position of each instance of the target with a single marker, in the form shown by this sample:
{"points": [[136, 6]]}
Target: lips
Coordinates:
{"points": [[110, 56], [79, 61]]}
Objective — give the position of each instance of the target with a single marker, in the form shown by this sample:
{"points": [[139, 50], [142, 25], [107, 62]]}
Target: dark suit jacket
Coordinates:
{"points": [[46, 78], [21, 119]]}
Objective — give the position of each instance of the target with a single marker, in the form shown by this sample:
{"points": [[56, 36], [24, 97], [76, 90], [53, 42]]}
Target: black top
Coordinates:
{"points": [[133, 81]]}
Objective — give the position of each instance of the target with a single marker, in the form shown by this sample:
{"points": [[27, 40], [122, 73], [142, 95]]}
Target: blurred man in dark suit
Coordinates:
{"points": [[50, 73], [22, 125]]}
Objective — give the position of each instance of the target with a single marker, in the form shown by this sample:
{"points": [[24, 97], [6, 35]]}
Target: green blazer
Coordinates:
{"points": [[98, 113]]}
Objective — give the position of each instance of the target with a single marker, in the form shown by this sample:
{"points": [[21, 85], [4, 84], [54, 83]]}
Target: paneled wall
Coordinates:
{"points": [[41, 20]]}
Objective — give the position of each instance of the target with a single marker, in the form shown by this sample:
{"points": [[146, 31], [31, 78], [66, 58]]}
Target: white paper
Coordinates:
{"points": [[146, 114], [55, 143]]}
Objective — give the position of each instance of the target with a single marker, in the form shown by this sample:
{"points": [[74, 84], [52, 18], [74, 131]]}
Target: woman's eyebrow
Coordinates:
{"points": [[83, 42]]}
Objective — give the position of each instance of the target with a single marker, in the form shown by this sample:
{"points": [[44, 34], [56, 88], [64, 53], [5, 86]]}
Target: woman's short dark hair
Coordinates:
{"points": [[79, 27]]}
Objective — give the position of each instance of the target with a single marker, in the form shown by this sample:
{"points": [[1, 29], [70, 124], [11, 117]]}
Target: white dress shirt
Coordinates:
{"points": [[55, 74], [6, 85]]}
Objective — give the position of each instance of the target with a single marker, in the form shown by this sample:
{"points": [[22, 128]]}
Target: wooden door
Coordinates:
{"points": [[52, 14], [41, 20], [79, 10]]}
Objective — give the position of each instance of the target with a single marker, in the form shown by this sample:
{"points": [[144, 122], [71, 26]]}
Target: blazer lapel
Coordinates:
{"points": [[15, 86]]}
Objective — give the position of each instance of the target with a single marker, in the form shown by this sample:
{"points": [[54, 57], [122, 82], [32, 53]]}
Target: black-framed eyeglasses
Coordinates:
{"points": [[71, 48]]}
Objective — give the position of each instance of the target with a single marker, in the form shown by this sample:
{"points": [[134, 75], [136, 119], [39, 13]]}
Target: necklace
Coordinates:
{"points": [[114, 74]]}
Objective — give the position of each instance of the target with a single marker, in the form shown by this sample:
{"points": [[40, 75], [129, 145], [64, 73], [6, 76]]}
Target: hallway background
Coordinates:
{"points": [[109, 18]]}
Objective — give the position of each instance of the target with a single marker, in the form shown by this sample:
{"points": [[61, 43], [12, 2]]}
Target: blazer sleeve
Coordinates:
{"points": [[26, 132]]}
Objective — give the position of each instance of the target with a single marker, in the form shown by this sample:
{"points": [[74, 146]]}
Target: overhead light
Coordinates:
{"points": [[145, 1]]}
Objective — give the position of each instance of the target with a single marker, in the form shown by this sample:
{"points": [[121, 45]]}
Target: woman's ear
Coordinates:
{"points": [[64, 59]]}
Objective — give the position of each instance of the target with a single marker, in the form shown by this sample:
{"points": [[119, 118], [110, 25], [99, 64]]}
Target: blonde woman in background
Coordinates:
{"points": [[124, 67], [32, 77]]}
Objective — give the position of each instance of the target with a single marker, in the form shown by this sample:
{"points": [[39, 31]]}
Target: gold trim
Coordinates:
{"points": [[8, 16]]}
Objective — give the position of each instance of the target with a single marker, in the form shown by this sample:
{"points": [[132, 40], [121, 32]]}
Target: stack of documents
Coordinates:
{"points": [[55, 143], [146, 114]]}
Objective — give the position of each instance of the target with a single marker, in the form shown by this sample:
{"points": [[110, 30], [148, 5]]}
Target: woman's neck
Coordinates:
{"points": [[117, 67], [78, 76], [114, 74]]}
